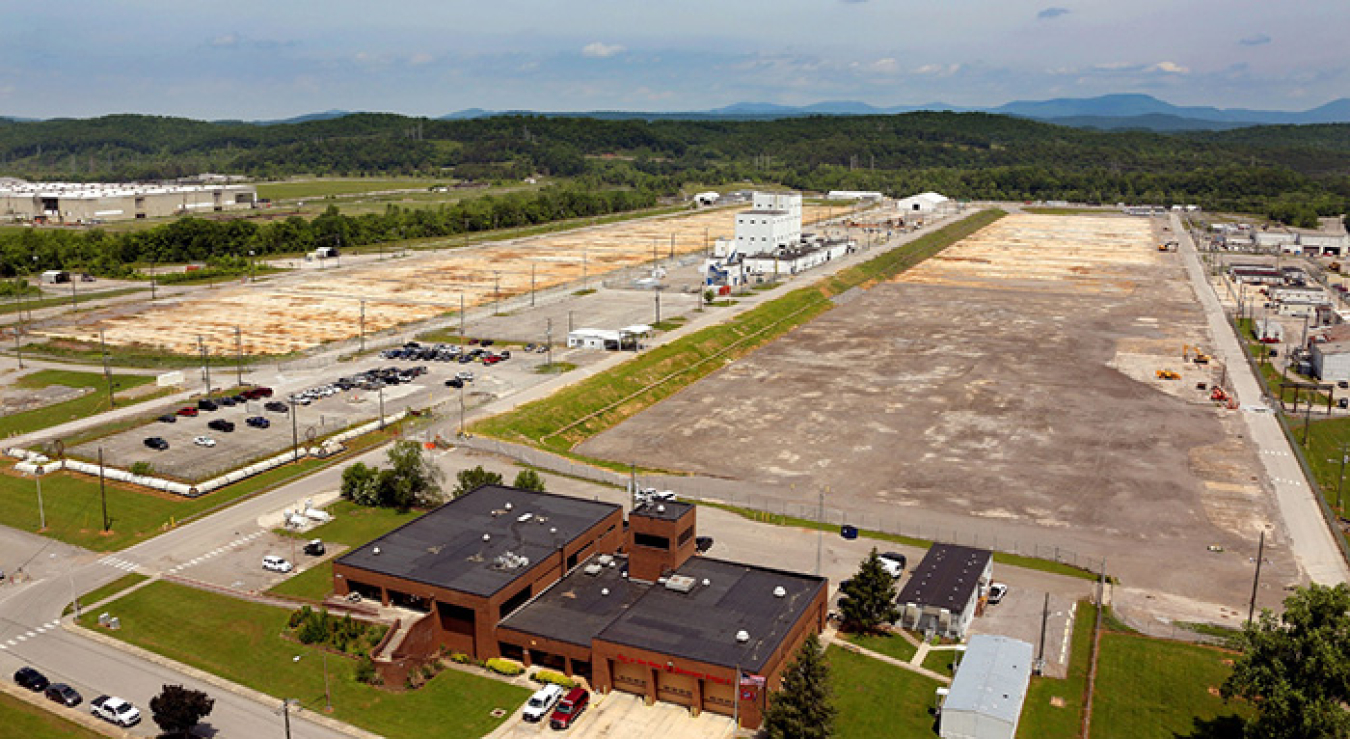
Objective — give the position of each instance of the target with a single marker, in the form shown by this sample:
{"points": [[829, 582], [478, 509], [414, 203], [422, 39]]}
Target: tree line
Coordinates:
{"points": [[189, 239]]}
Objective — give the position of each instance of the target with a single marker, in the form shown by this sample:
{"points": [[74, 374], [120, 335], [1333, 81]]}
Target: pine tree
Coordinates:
{"points": [[804, 707], [869, 598]]}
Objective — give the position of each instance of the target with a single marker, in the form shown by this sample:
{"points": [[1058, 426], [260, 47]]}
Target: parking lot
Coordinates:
{"points": [[1004, 391], [622, 714]]}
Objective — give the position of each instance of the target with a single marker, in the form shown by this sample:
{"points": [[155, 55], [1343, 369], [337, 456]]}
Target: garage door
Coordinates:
{"points": [[673, 688], [629, 678], [717, 698]]}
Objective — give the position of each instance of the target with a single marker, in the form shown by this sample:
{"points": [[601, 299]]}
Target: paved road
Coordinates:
{"points": [[1311, 538]]}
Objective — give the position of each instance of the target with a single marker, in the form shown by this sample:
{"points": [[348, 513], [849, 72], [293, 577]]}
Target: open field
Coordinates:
{"points": [[1054, 708], [241, 641], [297, 313], [1003, 391], [876, 699], [321, 187], [50, 397], [21, 720], [1154, 689]]}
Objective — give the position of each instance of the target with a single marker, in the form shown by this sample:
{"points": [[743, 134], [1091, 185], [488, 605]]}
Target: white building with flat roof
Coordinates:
{"points": [[93, 202], [988, 690], [924, 202], [773, 221]]}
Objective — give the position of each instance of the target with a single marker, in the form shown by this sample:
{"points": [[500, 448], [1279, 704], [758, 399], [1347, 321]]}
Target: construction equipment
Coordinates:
{"points": [[1168, 246], [1200, 357], [1167, 374], [1218, 394]]}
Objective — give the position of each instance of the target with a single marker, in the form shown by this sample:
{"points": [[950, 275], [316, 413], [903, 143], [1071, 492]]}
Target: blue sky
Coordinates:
{"points": [[254, 60]]}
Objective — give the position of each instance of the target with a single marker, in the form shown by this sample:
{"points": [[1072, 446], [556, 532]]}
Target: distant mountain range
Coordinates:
{"points": [[1107, 112]]}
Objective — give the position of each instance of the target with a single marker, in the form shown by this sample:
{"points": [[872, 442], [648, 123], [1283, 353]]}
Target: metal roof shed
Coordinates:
{"points": [[986, 696]]}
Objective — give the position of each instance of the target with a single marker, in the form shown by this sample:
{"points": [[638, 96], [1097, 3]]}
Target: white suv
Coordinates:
{"points": [[276, 564], [539, 704]]}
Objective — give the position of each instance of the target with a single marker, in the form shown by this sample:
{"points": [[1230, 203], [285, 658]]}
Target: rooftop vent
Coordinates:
{"points": [[375, 551], [507, 506], [593, 569], [510, 561], [742, 636], [487, 537], [660, 509], [522, 518], [706, 582], [604, 591], [605, 560], [779, 592], [680, 583]]}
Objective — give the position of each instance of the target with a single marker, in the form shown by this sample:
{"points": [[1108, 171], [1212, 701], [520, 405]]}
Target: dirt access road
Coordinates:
{"points": [[1003, 392]]}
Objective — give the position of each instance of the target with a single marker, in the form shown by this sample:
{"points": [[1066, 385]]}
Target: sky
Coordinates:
{"points": [[251, 60]]}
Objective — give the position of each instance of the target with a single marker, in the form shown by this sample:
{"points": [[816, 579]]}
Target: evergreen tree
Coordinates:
{"points": [[868, 600], [803, 708], [468, 480], [529, 480]]}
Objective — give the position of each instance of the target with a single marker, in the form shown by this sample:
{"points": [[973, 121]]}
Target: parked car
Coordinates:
{"points": [[206, 404], [221, 424], [466, 376], [115, 710], [893, 562], [996, 592], [168, 418], [157, 443], [541, 703], [315, 548], [227, 401], [569, 708], [276, 564], [204, 441], [63, 694], [703, 543], [454, 382], [276, 406], [29, 678], [257, 422], [187, 412]]}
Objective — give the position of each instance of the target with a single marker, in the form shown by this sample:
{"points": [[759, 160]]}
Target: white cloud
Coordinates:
{"points": [[1169, 67], [887, 65], [419, 59], [939, 70], [597, 50], [226, 40]]}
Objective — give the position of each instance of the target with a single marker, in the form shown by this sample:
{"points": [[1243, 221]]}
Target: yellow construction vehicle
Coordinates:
{"points": [[1200, 357], [1167, 374]]}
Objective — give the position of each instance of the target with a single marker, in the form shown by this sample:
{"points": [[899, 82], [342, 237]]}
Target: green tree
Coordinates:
{"points": [[360, 484], [415, 474], [869, 598], [803, 708], [529, 480], [477, 477], [178, 709], [1295, 668]]}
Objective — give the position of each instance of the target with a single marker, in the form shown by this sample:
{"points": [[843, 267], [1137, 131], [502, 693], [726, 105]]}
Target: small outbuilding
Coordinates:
{"points": [[924, 202], [946, 590], [986, 696], [55, 276]]}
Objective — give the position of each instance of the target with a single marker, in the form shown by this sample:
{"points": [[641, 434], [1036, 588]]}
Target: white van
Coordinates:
{"points": [[539, 704]]}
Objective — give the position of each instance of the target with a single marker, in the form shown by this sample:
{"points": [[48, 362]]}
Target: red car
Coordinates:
{"points": [[569, 708], [187, 411]]}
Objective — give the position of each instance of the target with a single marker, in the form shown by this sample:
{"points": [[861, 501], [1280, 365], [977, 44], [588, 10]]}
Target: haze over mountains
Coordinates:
{"points": [[1108, 112]]}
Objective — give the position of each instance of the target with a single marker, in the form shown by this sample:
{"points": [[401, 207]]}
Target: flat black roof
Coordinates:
{"points": [[446, 547], [702, 624], [946, 577], [666, 510], [577, 608]]}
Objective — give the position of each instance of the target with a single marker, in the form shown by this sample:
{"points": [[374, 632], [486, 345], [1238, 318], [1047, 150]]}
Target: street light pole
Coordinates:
{"points": [[42, 513], [461, 409], [206, 363], [363, 325], [381, 392], [107, 374], [295, 433], [496, 292], [239, 355]]}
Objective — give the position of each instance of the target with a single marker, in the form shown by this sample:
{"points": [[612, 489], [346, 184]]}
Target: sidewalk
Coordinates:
{"points": [[915, 664]]}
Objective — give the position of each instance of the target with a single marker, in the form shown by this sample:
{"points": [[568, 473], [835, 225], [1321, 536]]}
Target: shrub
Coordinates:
{"points": [[554, 678], [461, 658], [365, 671], [142, 468], [312, 632], [298, 616], [504, 667]]}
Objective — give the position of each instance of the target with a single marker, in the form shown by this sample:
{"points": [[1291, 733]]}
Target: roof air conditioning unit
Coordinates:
{"points": [[605, 560], [604, 591], [487, 537], [375, 551], [779, 592], [593, 569], [742, 636], [680, 583], [522, 518]]}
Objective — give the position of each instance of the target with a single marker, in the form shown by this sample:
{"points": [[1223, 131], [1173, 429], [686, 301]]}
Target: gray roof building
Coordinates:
{"points": [[986, 696], [944, 591]]}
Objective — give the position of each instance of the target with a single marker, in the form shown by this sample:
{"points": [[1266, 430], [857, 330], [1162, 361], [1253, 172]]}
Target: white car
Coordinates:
{"points": [[276, 564], [543, 700], [996, 592], [465, 376], [204, 441], [115, 710]]}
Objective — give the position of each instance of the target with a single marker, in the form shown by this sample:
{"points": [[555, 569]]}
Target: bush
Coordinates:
{"points": [[504, 667], [142, 468], [461, 658], [365, 671], [553, 678]]}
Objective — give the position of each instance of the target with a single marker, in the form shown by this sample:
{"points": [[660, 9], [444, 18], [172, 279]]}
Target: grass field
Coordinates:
{"points": [[240, 641], [891, 645], [74, 512], [107, 591], [13, 306], [318, 188], [879, 700], [20, 720], [940, 661], [1054, 708], [86, 405], [1155, 689], [134, 355]]}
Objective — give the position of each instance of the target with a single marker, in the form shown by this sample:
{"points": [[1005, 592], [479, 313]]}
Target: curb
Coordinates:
{"points": [[68, 623], [81, 717]]}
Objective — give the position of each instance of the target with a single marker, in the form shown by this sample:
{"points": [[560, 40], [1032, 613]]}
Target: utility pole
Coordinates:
{"points": [[1045, 618], [461, 409], [107, 373], [585, 278], [672, 246], [103, 491], [239, 355], [295, 433], [206, 363], [496, 292], [381, 392], [462, 336], [363, 325], [74, 297], [657, 292], [532, 270], [1256, 581], [42, 512], [548, 342]]}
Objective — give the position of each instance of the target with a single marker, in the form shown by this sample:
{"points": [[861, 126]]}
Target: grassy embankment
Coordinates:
{"points": [[91, 403], [352, 525]]}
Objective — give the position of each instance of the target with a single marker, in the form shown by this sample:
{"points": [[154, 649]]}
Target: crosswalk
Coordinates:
{"points": [[32, 633], [121, 564], [241, 541]]}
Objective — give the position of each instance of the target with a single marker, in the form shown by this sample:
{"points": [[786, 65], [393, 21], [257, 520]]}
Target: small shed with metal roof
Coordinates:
{"points": [[986, 696]]}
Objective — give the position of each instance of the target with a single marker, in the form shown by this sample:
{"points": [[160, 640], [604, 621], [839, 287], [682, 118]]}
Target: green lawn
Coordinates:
{"points": [[107, 591], [12, 306], [940, 661], [1154, 688], [318, 188], [891, 645], [138, 355], [313, 584], [352, 525], [19, 720], [82, 407], [1054, 708], [879, 700], [241, 641]]}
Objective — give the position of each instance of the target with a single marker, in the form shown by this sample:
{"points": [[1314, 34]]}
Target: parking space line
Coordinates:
{"points": [[21, 637], [53, 624], [10, 643]]}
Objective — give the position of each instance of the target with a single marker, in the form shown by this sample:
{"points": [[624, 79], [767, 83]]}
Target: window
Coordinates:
{"points": [[512, 603], [686, 535], [652, 541]]}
